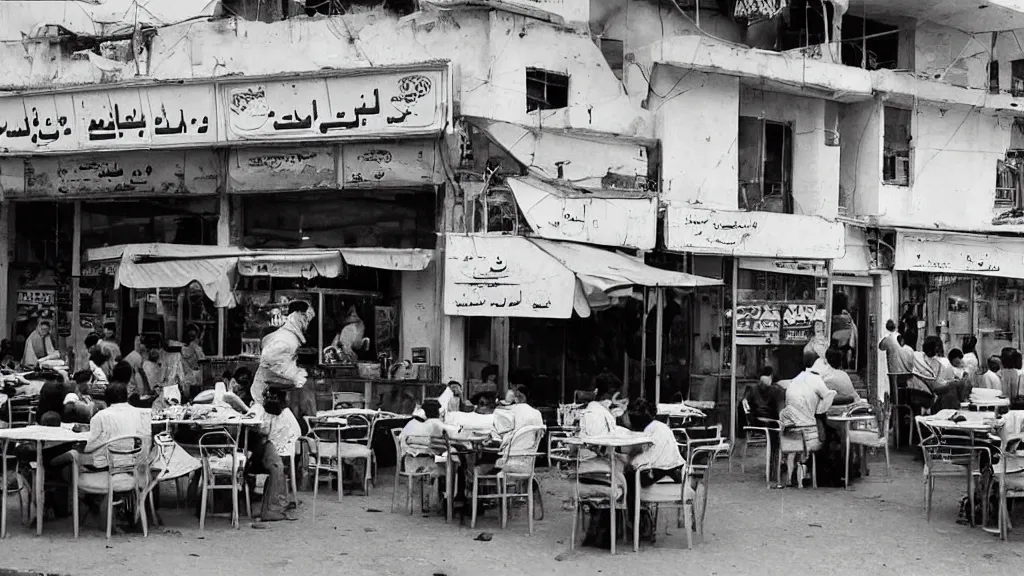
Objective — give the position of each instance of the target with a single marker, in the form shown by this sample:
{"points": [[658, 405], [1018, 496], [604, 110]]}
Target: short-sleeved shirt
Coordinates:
{"points": [[897, 360], [807, 396]]}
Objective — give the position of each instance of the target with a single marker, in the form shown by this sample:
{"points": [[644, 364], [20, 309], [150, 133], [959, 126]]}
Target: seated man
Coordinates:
{"points": [[78, 405], [514, 415], [836, 379], [418, 440], [656, 461], [806, 397], [118, 419]]}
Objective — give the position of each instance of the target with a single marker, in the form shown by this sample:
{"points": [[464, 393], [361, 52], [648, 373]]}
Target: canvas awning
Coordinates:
{"points": [[152, 266]]}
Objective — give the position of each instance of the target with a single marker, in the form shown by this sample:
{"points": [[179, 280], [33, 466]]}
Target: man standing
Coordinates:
{"points": [[109, 344], [277, 373]]}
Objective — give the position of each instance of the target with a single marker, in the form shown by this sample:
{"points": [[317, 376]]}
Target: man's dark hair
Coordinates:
{"points": [[298, 306], [91, 340], [122, 372], [116, 393], [900, 340], [931, 346], [488, 371], [834, 357], [768, 371], [1017, 358], [606, 384], [98, 355], [51, 419], [890, 325], [110, 326], [641, 414], [432, 408], [994, 364], [955, 354], [484, 399], [1006, 357], [242, 372], [522, 394], [151, 341], [810, 357], [83, 377]]}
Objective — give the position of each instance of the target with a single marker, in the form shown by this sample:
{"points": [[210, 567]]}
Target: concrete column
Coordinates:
{"points": [[223, 239], [6, 253]]}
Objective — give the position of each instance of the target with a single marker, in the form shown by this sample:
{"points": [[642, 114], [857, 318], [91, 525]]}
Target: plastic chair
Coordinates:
{"points": [[875, 435], [331, 445], [758, 432], [951, 454], [1010, 472], [401, 472], [705, 437], [125, 473], [595, 500], [518, 468], [218, 451]]}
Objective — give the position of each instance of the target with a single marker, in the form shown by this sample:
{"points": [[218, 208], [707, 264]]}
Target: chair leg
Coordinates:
{"points": [[529, 502], [575, 520], [152, 507], [74, 499], [472, 518], [396, 485], [687, 512], [846, 462], [202, 505], [110, 508], [928, 499], [888, 468], [295, 482], [316, 484], [503, 489], [814, 471], [408, 502], [248, 501], [141, 503]]}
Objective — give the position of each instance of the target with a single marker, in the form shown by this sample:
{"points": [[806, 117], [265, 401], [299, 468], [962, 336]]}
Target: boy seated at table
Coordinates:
{"points": [[419, 438], [79, 406], [659, 461]]}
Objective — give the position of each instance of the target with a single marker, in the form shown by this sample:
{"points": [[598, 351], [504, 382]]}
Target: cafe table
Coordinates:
{"points": [[38, 435], [464, 442], [614, 442], [845, 424]]}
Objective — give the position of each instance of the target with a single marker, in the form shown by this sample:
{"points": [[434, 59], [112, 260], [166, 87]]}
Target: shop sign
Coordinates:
{"points": [[771, 323], [954, 253], [395, 103], [504, 276], [135, 173], [263, 169], [94, 269], [390, 164], [755, 234], [114, 118], [40, 297], [357, 105]]}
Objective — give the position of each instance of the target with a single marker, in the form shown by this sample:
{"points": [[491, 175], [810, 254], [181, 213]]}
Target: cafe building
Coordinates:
{"points": [[208, 206]]}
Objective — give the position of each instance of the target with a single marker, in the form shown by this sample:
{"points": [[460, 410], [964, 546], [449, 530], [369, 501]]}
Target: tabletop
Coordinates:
{"points": [[611, 440], [973, 425], [44, 434], [856, 418], [346, 412], [220, 421]]}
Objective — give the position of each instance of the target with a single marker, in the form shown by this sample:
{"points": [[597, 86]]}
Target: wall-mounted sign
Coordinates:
{"points": [[93, 269], [265, 169], [772, 323], [135, 173], [405, 163], [953, 253], [758, 234], [362, 104], [605, 221], [504, 276], [42, 297], [356, 105]]}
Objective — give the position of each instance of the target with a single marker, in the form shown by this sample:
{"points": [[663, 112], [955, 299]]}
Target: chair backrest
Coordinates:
{"points": [[347, 400], [521, 457], [218, 444], [251, 347], [568, 415], [123, 454]]}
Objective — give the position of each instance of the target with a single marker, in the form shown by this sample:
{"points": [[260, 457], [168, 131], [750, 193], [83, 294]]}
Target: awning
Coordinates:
{"points": [[152, 266], [785, 266], [616, 218], [493, 275], [955, 253]]}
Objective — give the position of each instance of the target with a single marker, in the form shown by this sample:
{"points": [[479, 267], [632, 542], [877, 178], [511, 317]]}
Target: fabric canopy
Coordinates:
{"points": [[602, 271], [215, 272], [399, 259]]}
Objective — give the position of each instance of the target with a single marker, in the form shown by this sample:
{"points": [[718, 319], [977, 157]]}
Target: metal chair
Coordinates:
{"points": [[218, 451], [125, 472], [331, 445], [1010, 473], [951, 454], [568, 417], [875, 436], [517, 469], [704, 437], [341, 400], [659, 495], [805, 451], [401, 472], [758, 432]]}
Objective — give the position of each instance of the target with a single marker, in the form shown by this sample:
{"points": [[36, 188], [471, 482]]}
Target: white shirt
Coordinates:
{"points": [[116, 420], [806, 396], [283, 430], [470, 421], [664, 453], [596, 420], [420, 433]]}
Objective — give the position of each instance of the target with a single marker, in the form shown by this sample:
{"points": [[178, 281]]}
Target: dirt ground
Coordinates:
{"points": [[878, 528]]}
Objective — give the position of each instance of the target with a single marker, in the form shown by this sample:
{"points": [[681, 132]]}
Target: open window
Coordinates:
{"points": [[1009, 183], [872, 45], [546, 90], [1017, 78], [765, 166], [614, 54], [896, 153]]}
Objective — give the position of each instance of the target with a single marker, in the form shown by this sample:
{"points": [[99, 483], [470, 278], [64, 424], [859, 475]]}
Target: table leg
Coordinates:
{"points": [[613, 495], [3, 505], [40, 478]]}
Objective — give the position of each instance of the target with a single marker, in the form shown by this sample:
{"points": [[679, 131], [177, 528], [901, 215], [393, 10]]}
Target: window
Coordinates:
{"points": [[1017, 78], [1007, 183], [613, 51], [993, 77], [766, 166], [872, 45], [896, 155], [546, 90]]}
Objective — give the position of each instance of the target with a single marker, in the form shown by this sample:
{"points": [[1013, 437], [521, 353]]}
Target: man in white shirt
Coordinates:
{"points": [[514, 415], [657, 461], [118, 419], [418, 439]]}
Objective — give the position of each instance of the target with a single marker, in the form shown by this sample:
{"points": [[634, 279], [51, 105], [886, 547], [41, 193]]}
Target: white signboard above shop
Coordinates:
{"points": [[754, 234], [488, 275], [952, 253], [328, 107]]}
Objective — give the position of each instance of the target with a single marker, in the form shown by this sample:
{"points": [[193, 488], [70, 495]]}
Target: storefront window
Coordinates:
{"points": [[41, 270], [999, 307]]}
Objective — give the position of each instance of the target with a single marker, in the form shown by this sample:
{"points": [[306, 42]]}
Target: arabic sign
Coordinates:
{"points": [[757, 234], [772, 323], [42, 297], [148, 117], [259, 169], [329, 108], [398, 164], [504, 276], [94, 269], [619, 222], [798, 322], [135, 173], [392, 104], [960, 254]]}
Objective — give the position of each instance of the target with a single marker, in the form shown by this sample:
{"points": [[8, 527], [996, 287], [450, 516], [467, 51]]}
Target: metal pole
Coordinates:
{"points": [[732, 352], [565, 346], [76, 273], [643, 347], [659, 325]]}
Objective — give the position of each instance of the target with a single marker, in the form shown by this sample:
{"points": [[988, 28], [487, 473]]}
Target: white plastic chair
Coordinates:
{"points": [[125, 473], [401, 472], [518, 469], [665, 494], [758, 432], [329, 448], [872, 436], [218, 451]]}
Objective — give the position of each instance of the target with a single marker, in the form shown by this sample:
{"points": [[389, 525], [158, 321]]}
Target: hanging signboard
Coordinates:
{"points": [[334, 106], [135, 173], [952, 253], [504, 276], [756, 234]]}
